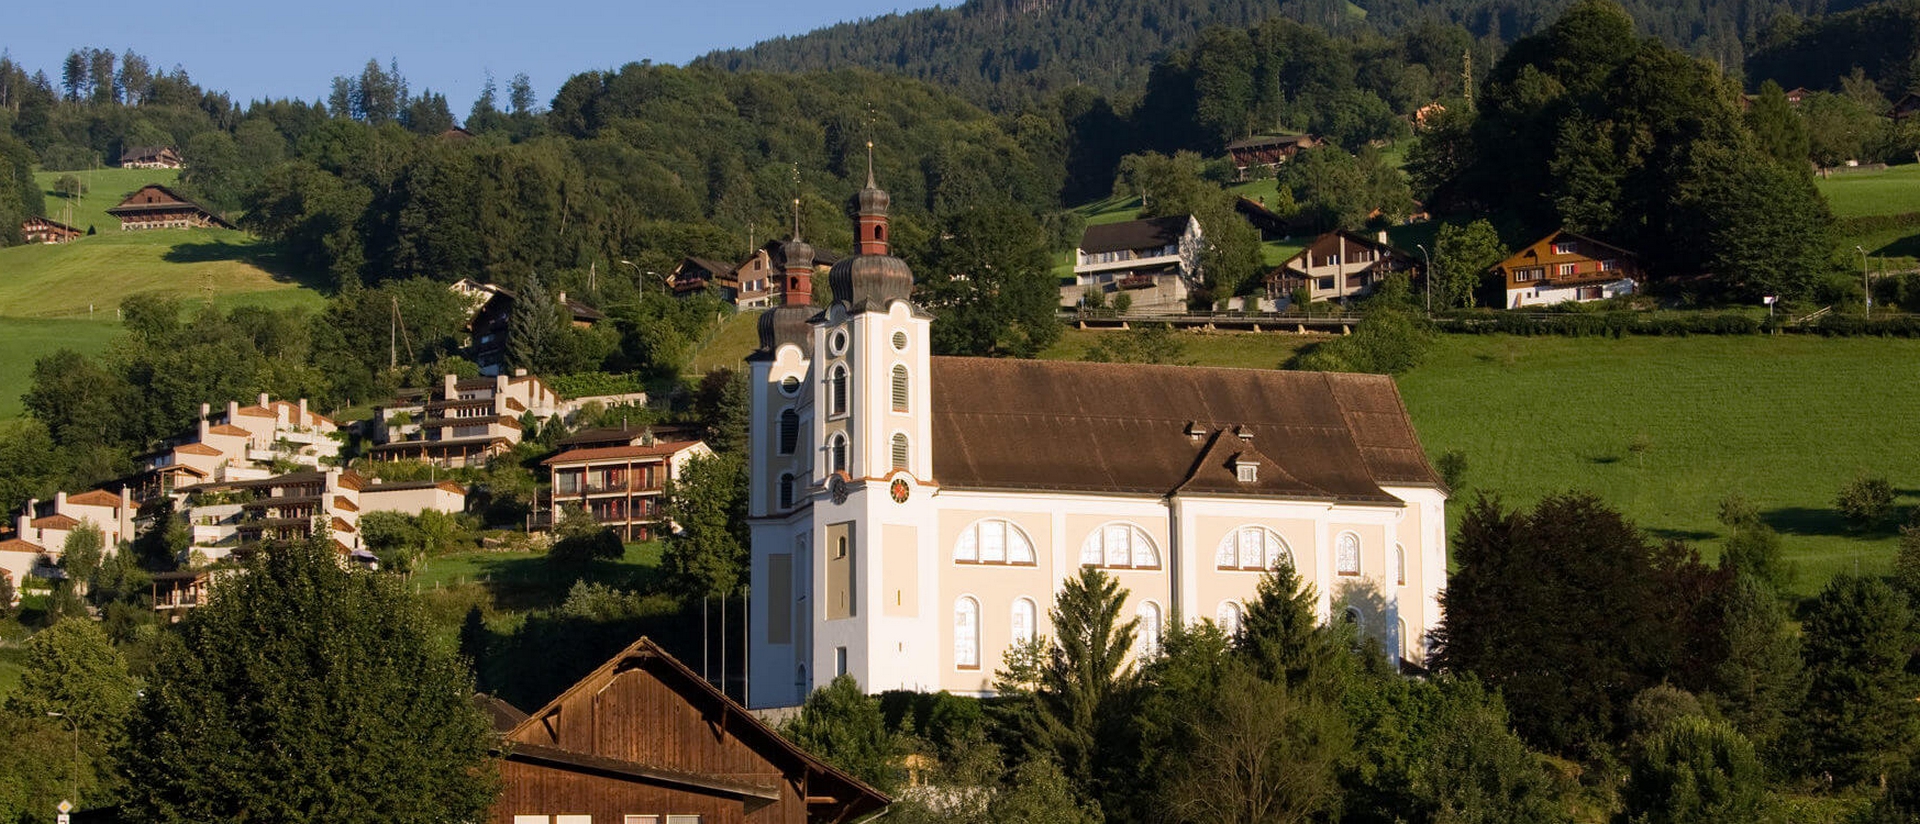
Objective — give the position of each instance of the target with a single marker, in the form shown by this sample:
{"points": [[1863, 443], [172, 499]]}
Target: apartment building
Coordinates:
{"points": [[621, 482], [460, 422]]}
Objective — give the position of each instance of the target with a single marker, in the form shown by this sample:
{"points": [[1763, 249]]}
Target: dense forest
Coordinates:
{"points": [[999, 52]]}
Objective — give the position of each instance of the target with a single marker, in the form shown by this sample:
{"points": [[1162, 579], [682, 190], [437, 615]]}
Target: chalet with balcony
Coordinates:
{"points": [[696, 275], [150, 157], [644, 740], [158, 207], [460, 422], [620, 483], [1267, 152], [1339, 265], [44, 230], [488, 327], [1155, 260], [1564, 267]]}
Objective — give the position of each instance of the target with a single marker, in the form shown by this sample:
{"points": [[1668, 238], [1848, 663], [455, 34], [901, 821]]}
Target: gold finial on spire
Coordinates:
{"points": [[870, 183], [796, 201]]}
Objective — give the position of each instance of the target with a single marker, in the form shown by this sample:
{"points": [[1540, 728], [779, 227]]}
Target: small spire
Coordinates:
{"points": [[870, 183], [796, 201]]}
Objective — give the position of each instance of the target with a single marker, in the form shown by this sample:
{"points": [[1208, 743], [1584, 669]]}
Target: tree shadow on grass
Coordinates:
{"points": [[1908, 246], [1800, 520], [1670, 534], [524, 581], [267, 257]]}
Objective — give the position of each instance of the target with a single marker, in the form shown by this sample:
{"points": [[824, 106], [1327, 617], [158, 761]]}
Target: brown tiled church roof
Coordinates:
{"points": [[1149, 429]]}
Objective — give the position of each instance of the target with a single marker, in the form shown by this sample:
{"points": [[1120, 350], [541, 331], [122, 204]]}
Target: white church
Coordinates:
{"points": [[913, 516]]}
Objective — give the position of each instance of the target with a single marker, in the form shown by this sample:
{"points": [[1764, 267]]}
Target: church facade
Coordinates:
{"points": [[913, 516]]}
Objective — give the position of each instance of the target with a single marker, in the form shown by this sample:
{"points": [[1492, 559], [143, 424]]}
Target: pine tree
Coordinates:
{"points": [[1859, 713], [533, 326]]}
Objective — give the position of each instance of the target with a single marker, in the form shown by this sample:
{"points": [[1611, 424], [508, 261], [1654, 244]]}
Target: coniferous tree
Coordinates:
{"points": [[1758, 681], [534, 325], [1859, 713], [1778, 129]]}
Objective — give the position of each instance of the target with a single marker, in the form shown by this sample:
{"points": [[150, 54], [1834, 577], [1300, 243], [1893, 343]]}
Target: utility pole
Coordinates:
{"points": [[1865, 285], [1426, 276]]}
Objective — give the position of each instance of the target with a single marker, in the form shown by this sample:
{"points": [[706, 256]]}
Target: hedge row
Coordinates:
{"points": [[1620, 324], [1606, 324]]}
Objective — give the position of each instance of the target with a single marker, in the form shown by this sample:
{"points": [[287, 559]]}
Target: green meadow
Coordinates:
{"points": [[1665, 428], [68, 295]]}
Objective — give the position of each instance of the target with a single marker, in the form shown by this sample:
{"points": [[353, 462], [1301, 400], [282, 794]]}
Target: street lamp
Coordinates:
{"points": [[1864, 284], [1427, 275], [636, 274], [75, 776]]}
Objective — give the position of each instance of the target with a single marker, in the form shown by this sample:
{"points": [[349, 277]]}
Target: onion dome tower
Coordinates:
{"points": [[872, 279]]}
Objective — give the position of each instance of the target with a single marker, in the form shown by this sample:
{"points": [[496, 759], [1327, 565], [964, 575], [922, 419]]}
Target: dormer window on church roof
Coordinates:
{"points": [[1245, 469]]}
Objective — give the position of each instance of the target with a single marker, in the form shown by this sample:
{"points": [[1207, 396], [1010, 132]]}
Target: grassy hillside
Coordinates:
{"points": [[64, 280], [66, 295], [105, 189], [25, 340]]}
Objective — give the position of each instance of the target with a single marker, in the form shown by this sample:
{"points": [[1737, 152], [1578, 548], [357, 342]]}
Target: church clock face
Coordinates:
{"points": [[838, 489], [900, 490]]}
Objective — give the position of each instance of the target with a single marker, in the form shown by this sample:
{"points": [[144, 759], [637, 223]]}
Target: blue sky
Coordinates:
{"points": [[280, 48]]}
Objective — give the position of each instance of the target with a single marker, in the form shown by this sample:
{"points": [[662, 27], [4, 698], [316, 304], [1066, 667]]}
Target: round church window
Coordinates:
{"points": [[900, 341]]}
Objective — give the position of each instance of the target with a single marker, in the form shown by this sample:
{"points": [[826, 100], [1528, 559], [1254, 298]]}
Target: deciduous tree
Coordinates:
{"points": [[305, 690]]}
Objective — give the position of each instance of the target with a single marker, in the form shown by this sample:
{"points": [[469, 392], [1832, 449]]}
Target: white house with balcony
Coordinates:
{"points": [[1154, 261]]}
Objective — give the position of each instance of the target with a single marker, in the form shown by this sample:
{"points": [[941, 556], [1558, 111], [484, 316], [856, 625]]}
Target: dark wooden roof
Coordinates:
{"points": [[134, 204], [537, 737], [1154, 430], [1148, 233], [139, 153]]}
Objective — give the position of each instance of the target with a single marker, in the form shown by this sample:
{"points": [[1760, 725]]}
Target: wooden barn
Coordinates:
{"points": [[158, 207], [42, 230], [644, 740]]}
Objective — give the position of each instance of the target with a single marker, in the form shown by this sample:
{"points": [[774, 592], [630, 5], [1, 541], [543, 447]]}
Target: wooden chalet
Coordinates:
{"points": [[43, 230], [694, 275], [1905, 107], [150, 157], [489, 325], [158, 207], [1267, 151], [644, 739], [1338, 265], [1564, 267]]}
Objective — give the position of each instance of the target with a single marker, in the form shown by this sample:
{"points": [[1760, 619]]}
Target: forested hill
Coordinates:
{"points": [[1878, 40], [1001, 51]]}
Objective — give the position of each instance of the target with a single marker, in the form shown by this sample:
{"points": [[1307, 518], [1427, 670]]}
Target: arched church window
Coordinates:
{"points": [[837, 391], [1150, 626], [1025, 614], [789, 430], [966, 633], [1229, 617], [993, 541], [900, 388], [1346, 554], [786, 490], [839, 453], [1119, 545], [1253, 548], [1400, 564]]}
